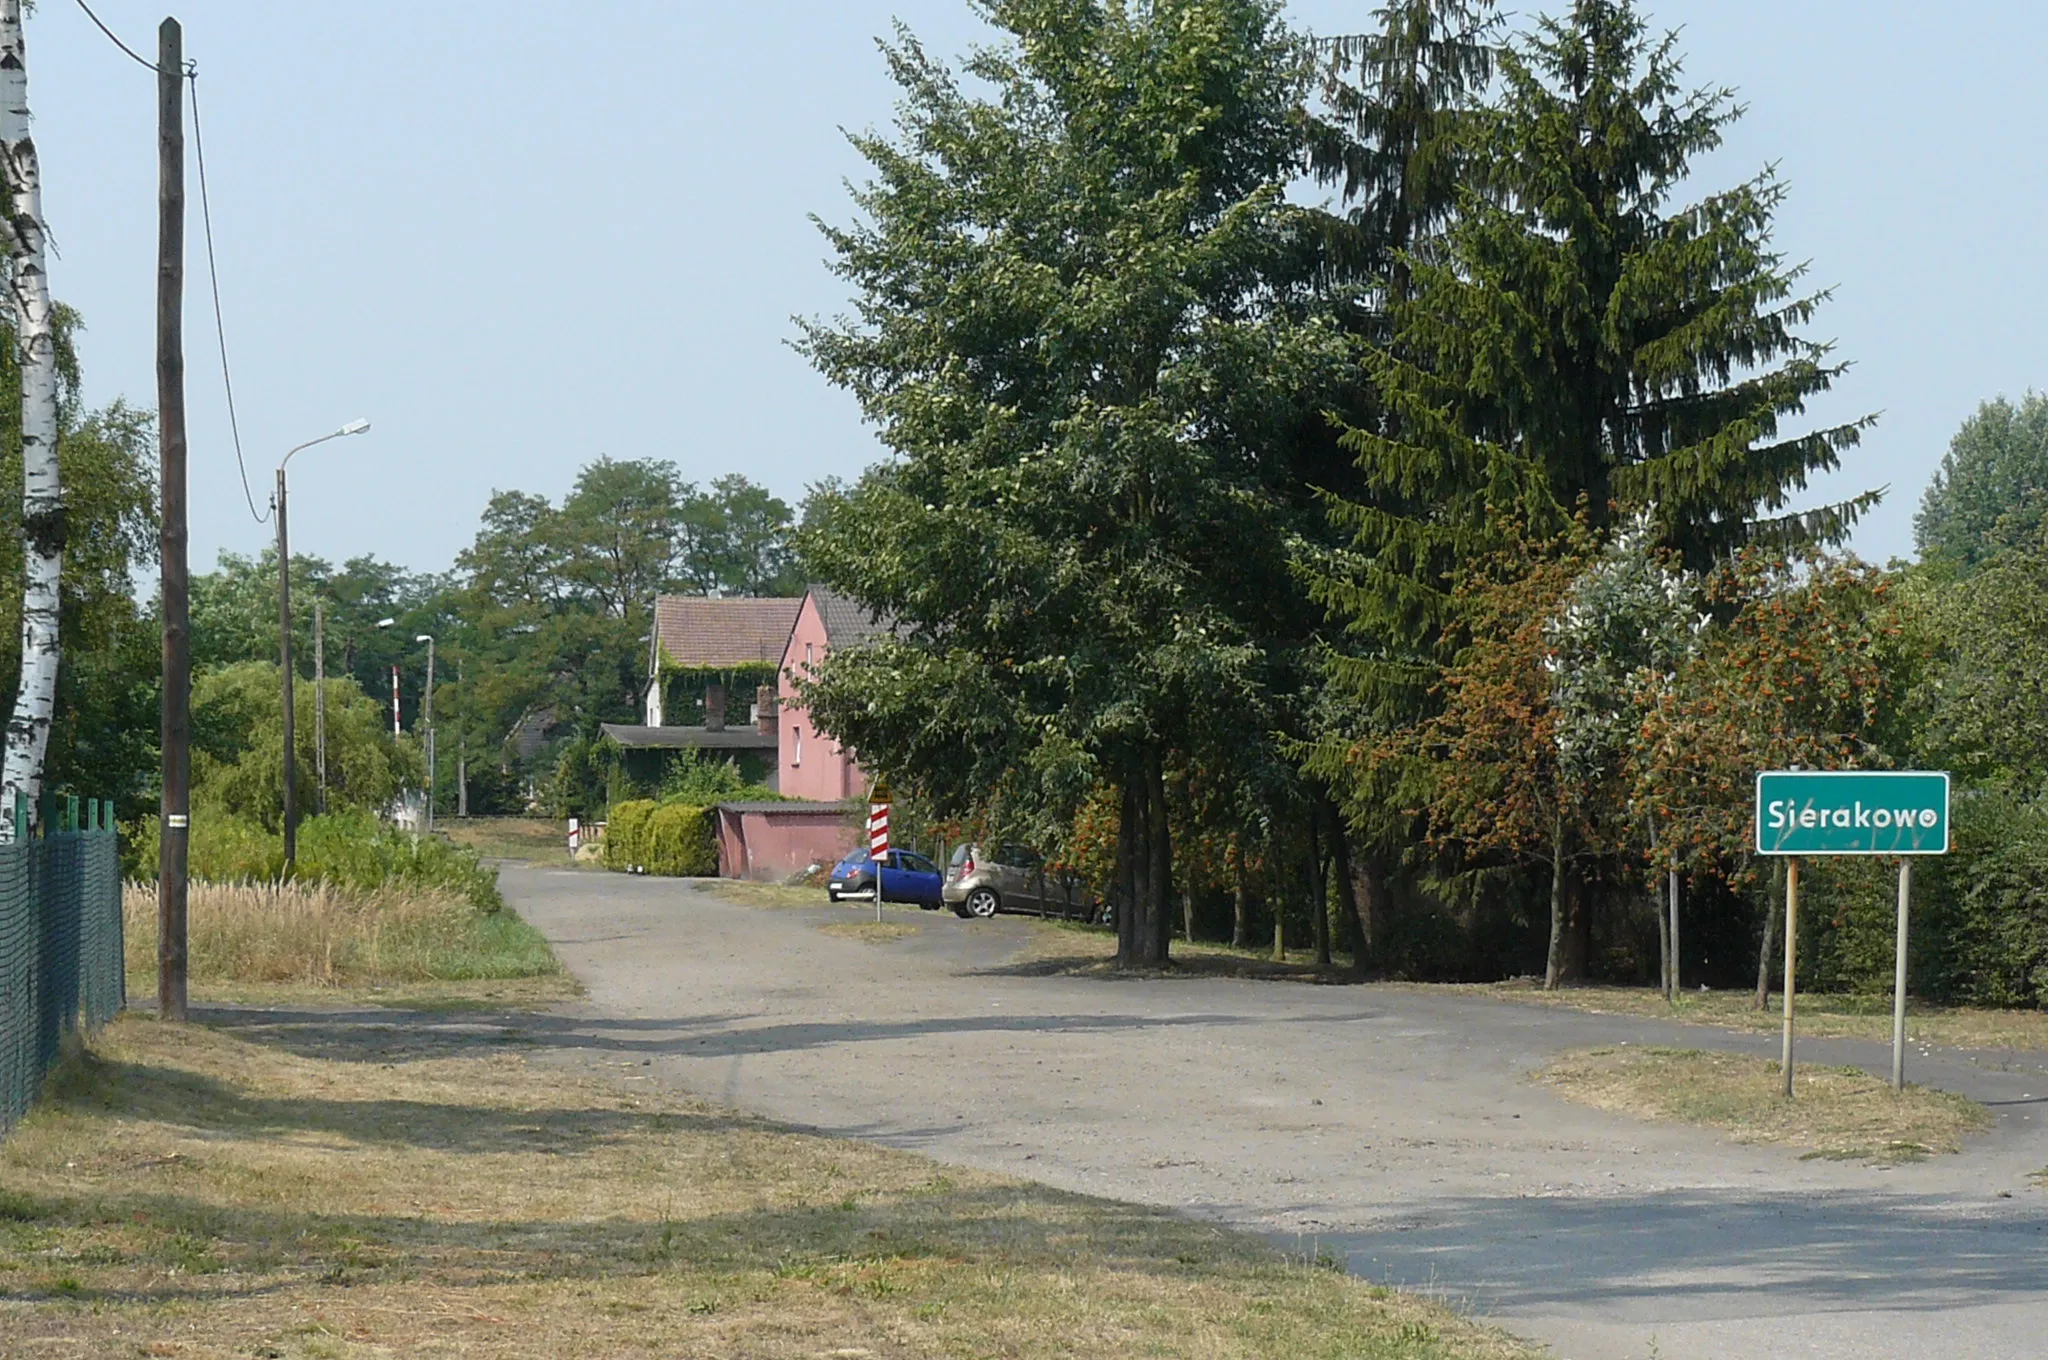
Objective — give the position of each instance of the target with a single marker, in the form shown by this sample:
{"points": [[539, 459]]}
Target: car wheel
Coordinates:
{"points": [[832, 893], [982, 903], [928, 906]]}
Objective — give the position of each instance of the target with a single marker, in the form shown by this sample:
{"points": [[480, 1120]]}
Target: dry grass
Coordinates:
{"points": [[1839, 1112], [748, 894], [870, 932], [305, 1189], [534, 840], [1075, 949], [256, 940], [1821, 1016]]}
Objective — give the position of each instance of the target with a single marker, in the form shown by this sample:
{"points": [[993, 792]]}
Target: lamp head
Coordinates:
{"points": [[354, 427], [386, 623], [424, 637]]}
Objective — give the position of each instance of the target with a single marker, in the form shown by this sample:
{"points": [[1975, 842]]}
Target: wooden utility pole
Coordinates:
{"points": [[320, 702], [173, 840], [461, 747], [287, 675]]}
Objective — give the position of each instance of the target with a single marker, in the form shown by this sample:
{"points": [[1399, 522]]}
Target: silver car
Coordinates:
{"points": [[1014, 879]]}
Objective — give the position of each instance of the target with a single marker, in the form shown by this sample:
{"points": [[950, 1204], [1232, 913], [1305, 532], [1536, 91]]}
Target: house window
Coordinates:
{"points": [[796, 746], [807, 656]]}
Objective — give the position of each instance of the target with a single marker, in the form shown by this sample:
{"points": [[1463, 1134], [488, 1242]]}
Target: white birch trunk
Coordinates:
{"points": [[42, 518]]}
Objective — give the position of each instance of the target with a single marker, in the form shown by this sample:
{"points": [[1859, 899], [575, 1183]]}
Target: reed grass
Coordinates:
{"points": [[320, 935]]}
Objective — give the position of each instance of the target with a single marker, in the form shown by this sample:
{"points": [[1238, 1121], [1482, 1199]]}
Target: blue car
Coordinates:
{"points": [[906, 877]]}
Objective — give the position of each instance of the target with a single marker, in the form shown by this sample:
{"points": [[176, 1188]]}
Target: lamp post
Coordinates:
{"points": [[284, 637], [427, 715]]}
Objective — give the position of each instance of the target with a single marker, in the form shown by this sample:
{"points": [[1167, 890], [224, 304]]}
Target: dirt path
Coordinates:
{"points": [[1390, 1126]]}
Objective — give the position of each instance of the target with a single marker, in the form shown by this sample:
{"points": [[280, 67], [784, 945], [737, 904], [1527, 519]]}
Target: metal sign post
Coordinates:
{"points": [[1852, 812], [878, 837]]}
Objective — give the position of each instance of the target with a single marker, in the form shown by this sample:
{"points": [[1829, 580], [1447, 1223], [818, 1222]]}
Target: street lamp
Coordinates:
{"points": [[284, 637], [426, 713]]}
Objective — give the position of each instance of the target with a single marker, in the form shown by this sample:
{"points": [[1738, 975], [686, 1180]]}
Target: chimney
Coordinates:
{"points": [[714, 708], [764, 704]]}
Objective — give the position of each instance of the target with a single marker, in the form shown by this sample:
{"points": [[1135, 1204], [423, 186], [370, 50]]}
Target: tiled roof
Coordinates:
{"points": [[710, 632], [846, 623]]}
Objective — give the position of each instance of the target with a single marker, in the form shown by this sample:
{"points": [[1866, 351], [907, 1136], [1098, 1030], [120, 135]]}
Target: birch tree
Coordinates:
{"points": [[42, 507]]}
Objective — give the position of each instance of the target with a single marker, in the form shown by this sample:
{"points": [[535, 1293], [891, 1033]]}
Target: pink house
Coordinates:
{"points": [[813, 766]]}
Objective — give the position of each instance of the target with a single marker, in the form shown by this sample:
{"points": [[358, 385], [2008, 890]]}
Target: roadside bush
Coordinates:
{"points": [[625, 828], [1980, 913], [675, 840], [351, 850], [1992, 948]]}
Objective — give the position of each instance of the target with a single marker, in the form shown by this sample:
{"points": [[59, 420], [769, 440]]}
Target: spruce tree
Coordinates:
{"points": [[1392, 134], [1576, 340]]}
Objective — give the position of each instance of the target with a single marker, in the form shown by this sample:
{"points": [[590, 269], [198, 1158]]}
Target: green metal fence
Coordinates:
{"points": [[61, 963]]}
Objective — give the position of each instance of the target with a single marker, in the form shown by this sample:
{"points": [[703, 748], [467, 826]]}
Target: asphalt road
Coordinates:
{"points": [[1393, 1126]]}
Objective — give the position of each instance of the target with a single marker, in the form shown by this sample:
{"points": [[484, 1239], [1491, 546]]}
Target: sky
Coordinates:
{"points": [[519, 236]]}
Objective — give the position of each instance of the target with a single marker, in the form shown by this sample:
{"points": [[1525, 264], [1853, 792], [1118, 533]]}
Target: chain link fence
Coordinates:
{"points": [[61, 961]]}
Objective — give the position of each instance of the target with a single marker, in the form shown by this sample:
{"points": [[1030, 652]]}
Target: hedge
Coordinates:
{"points": [[676, 840]]}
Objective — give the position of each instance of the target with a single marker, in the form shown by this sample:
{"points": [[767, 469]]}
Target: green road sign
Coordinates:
{"points": [[1851, 812]]}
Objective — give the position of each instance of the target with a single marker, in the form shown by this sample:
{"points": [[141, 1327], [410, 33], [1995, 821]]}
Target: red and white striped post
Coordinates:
{"points": [[878, 837]]}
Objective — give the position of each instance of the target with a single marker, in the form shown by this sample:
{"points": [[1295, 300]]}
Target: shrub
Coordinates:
{"points": [[1980, 913], [351, 850], [672, 839], [624, 833]]}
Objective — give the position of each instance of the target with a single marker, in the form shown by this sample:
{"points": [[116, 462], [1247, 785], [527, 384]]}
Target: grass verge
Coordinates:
{"points": [[1839, 1112], [750, 894], [1078, 949], [271, 942], [870, 932], [1820, 1016], [534, 840], [298, 1189]]}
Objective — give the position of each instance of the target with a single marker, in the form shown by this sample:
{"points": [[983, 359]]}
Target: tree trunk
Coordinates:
{"points": [[1657, 910], [1356, 928], [42, 508], [1278, 884], [1578, 939], [1144, 869], [1553, 968], [1319, 889], [1763, 957], [1162, 860], [1241, 899], [1128, 907]]}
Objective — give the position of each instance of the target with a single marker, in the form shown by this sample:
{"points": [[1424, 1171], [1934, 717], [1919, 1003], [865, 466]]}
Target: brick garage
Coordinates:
{"points": [[772, 841]]}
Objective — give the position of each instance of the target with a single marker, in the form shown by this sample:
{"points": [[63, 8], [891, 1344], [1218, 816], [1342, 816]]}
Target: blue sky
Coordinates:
{"points": [[518, 236]]}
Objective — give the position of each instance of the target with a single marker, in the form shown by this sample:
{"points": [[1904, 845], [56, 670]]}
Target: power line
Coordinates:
{"points": [[213, 279], [227, 380], [113, 38]]}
